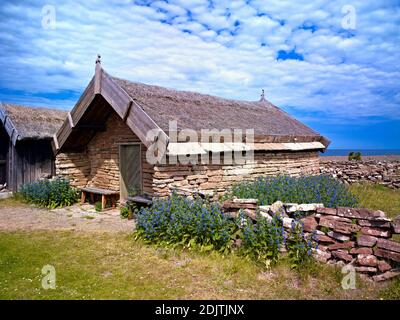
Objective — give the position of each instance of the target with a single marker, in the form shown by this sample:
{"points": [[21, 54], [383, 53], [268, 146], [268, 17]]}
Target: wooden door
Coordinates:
{"points": [[130, 170]]}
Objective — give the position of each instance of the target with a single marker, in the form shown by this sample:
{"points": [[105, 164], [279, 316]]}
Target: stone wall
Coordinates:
{"points": [[98, 165], [384, 172], [74, 166], [215, 179], [103, 153], [355, 236]]}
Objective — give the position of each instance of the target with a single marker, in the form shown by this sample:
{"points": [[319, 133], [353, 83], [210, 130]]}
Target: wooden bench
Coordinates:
{"points": [[104, 195]]}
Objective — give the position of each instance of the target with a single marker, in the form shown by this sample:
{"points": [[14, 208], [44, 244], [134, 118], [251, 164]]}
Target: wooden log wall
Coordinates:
{"points": [[28, 161]]}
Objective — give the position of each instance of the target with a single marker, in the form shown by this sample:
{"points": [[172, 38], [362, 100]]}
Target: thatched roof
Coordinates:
{"points": [[145, 108], [23, 122], [201, 111]]}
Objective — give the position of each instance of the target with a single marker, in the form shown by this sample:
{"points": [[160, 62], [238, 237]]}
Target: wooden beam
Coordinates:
{"points": [[128, 109], [10, 128], [115, 96], [97, 78], [75, 114], [84, 101], [326, 142], [54, 144], [71, 122], [14, 135], [141, 123], [2, 114]]}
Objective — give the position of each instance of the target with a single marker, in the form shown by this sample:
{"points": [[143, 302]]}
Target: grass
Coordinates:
{"points": [[378, 197], [10, 202], [114, 266]]}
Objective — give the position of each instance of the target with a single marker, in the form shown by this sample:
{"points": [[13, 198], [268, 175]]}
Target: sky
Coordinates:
{"points": [[335, 65]]}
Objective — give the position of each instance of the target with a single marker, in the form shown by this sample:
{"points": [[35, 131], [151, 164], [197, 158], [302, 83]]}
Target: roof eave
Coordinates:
{"points": [[9, 126]]}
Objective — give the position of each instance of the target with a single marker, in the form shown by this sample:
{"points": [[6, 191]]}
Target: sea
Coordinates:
{"points": [[364, 152]]}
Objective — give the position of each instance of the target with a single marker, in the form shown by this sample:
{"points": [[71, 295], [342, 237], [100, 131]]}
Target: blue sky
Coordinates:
{"points": [[334, 68]]}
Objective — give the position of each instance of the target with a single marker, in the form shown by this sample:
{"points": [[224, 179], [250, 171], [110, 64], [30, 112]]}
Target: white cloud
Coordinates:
{"points": [[227, 49]]}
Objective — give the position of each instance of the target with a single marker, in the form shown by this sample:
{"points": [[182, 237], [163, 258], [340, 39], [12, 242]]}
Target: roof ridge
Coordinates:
{"points": [[251, 102]]}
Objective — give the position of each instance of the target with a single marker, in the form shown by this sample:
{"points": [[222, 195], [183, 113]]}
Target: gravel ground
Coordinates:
{"points": [[77, 217]]}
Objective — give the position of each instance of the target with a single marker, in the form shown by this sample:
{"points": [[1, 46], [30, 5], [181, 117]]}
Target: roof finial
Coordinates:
{"points": [[98, 60], [262, 95]]}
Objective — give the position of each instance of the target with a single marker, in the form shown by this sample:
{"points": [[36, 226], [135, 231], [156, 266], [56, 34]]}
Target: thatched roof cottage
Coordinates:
{"points": [[105, 141], [26, 134]]}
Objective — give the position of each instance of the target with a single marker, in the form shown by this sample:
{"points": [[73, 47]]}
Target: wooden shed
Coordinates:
{"points": [[104, 141], [26, 134]]}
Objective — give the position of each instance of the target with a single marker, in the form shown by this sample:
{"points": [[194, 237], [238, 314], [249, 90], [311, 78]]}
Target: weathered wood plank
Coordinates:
{"points": [[99, 191], [63, 133], [54, 144], [71, 121], [84, 101], [115, 96], [97, 78], [140, 123]]}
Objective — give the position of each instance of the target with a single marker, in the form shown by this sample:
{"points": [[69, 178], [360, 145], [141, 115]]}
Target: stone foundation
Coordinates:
{"points": [[216, 179]]}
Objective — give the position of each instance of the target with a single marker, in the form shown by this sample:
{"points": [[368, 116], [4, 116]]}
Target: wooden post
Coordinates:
{"points": [[83, 197], [103, 201], [97, 77]]}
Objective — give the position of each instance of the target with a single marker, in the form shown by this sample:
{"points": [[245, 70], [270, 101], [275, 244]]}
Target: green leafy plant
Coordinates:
{"points": [[325, 229], [98, 206], [51, 194], [127, 211], [299, 245], [189, 223], [124, 211], [354, 156], [198, 224], [262, 240], [307, 189]]}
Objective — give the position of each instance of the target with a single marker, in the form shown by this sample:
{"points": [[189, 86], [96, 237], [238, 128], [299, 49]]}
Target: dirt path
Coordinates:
{"points": [[18, 216]]}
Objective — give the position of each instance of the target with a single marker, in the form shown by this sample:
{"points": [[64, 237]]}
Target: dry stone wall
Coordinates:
{"points": [[216, 179], [356, 236], [75, 166], [98, 165], [385, 172]]}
